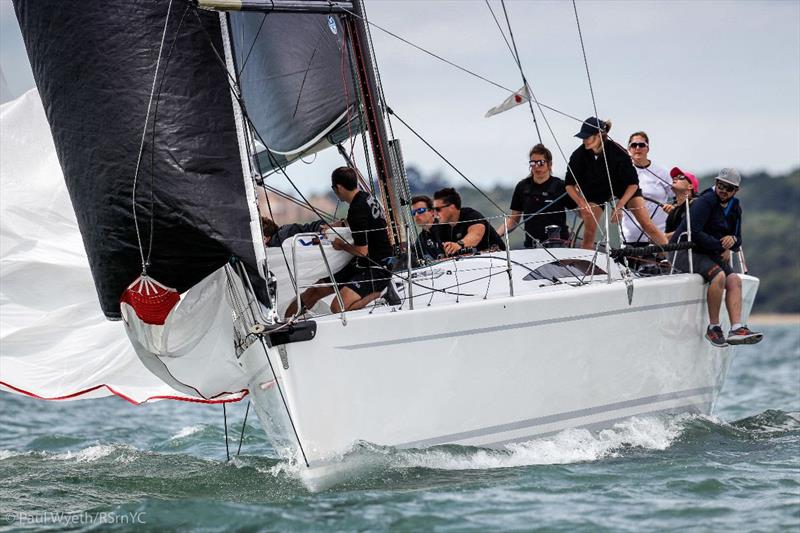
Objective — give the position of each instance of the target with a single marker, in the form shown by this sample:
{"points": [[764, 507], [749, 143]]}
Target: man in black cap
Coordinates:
{"points": [[716, 231]]}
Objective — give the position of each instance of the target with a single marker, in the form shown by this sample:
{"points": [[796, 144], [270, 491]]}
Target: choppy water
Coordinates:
{"points": [[104, 463]]}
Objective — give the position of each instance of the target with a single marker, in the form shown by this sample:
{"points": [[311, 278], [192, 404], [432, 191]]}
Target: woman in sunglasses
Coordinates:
{"points": [[541, 197], [655, 184], [685, 186], [599, 171]]}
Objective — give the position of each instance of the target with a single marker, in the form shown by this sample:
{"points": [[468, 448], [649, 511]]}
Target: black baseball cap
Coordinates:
{"points": [[591, 126]]}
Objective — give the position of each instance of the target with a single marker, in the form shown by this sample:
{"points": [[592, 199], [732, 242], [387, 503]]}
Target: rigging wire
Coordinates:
{"points": [[153, 136], [253, 44], [244, 425], [455, 65], [225, 419], [519, 66], [144, 134]]}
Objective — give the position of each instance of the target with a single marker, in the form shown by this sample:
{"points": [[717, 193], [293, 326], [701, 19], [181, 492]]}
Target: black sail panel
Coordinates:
{"points": [[94, 63], [295, 77]]}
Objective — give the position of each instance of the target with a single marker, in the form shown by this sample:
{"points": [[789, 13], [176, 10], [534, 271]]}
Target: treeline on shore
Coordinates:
{"points": [[770, 232]]}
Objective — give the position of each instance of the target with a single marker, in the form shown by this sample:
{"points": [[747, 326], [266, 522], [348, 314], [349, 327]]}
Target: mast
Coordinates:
{"points": [[375, 121]]}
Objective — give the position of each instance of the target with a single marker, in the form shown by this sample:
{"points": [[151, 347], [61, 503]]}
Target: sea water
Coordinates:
{"points": [[105, 464]]}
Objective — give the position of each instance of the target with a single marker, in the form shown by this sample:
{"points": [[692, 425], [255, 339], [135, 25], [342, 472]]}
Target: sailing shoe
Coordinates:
{"points": [[743, 335], [716, 337]]}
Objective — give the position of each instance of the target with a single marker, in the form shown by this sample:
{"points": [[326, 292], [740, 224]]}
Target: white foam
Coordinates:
{"points": [[187, 431], [8, 454], [568, 446], [87, 455]]}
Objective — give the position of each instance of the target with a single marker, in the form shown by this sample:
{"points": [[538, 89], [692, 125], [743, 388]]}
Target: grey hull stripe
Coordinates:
{"points": [[603, 424], [690, 408], [558, 417], [519, 325]]}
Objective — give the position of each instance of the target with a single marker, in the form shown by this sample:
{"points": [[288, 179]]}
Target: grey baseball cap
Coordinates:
{"points": [[730, 175]]}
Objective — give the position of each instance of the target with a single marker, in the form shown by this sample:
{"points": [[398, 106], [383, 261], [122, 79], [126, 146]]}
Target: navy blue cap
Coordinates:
{"points": [[591, 126]]}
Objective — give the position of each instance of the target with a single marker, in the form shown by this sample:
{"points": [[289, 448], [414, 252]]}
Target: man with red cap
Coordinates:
{"points": [[715, 218]]}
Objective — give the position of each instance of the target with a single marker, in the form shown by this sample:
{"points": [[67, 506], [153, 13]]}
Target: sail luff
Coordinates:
{"points": [[244, 152]]}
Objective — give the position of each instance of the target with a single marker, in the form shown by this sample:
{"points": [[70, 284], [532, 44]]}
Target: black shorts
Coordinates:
{"points": [[599, 200], [706, 265], [362, 280]]}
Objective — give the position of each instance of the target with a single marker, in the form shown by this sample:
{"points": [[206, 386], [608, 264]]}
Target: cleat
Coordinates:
{"points": [[743, 335], [716, 337]]}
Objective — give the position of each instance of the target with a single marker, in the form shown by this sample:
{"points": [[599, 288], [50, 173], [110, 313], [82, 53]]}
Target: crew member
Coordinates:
{"points": [[541, 197], [462, 228], [716, 230], [599, 170], [364, 278]]}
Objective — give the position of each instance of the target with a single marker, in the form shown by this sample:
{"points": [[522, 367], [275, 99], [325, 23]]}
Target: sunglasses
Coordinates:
{"points": [[437, 209], [680, 177], [637, 145], [538, 162], [727, 187], [419, 211]]}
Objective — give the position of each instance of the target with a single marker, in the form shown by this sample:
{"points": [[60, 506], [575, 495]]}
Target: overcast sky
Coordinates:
{"points": [[714, 83]]}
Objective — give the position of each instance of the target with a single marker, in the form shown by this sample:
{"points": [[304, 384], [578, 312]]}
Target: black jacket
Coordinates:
{"points": [[588, 172], [711, 221], [289, 230]]}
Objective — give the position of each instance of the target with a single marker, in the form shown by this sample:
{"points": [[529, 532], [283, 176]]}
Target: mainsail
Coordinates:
{"points": [[94, 65], [295, 76]]}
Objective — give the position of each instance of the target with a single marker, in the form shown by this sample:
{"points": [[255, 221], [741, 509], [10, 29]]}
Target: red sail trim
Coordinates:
{"points": [[151, 300], [243, 393]]}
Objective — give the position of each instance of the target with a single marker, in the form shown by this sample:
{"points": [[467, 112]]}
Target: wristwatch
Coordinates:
{"points": [[461, 244]]}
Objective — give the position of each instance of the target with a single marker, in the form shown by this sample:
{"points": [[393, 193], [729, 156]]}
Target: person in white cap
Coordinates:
{"points": [[716, 218]]}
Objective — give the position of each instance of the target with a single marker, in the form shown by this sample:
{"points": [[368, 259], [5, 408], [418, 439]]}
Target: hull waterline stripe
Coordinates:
{"points": [[558, 417], [519, 325], [690, 408]]}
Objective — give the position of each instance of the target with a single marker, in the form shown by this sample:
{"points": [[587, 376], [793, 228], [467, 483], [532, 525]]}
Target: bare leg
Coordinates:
{"points": [[310, 297], [714, 297], [352, 300], [590, 218], [733, 298], [639, 210]]}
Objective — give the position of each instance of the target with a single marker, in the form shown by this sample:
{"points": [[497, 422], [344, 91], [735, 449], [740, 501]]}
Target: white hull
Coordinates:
{"points": [[495, 371]]}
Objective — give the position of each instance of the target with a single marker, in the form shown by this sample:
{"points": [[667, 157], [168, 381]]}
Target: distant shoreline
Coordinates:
{"points": [[774, 319]]}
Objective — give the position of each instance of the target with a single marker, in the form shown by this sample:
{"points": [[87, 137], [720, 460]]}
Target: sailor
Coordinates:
{"points": [[600, 170], [364, 278], [655, 184], [541, 195], [427, 245], [685, 186], [716, 231], [274, 235], [462, 228]]}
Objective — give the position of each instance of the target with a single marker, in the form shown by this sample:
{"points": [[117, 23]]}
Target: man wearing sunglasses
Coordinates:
{"points": [[462, 228], [716, 218], [427, 245]]}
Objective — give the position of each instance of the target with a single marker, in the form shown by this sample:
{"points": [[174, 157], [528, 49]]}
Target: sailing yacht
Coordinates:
{"points": [[169, 117]]}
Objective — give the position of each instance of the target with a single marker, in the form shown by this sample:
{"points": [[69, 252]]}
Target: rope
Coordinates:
{"points": [[225, 419], [594, 106], [519, 66], [244, 425], [144, 134]]}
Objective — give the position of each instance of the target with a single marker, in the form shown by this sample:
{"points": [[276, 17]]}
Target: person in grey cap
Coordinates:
{"points": [[716, 218]]}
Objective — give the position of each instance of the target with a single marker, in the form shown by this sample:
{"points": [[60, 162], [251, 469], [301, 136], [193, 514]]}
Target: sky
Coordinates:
{"points": [[714, 83]]}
